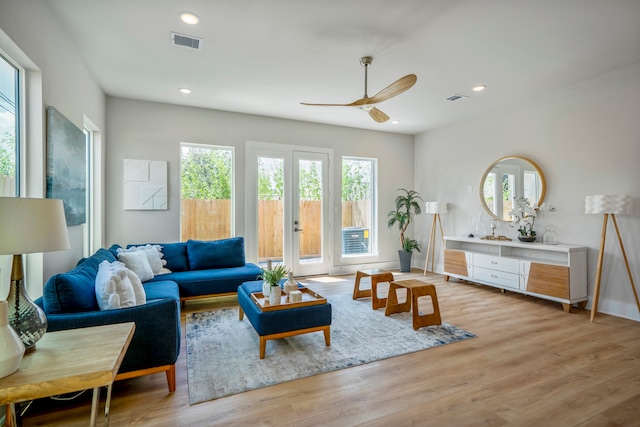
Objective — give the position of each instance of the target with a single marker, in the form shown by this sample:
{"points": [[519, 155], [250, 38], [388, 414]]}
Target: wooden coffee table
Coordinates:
{"points": [[69, 361], [415, 289]]}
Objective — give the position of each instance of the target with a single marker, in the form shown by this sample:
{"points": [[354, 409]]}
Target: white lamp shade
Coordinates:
{"points": [[608, 204], [32, 225], [435, 207]]}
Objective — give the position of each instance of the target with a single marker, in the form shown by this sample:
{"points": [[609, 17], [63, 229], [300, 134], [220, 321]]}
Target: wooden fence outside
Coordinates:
{"points": [[211, 220]]}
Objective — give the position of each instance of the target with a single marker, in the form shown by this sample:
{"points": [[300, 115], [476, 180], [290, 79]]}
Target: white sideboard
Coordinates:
{"points": [[554, 272]]}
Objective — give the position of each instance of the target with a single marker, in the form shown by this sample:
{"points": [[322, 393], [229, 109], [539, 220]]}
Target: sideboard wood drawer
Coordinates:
{"points": [[455, 262]]}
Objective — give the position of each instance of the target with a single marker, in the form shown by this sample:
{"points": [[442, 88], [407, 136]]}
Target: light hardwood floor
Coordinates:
{"points": [[532, 364]]}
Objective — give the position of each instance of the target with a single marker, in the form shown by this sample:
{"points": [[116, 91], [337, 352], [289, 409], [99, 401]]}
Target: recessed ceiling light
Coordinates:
{"points": [[189, 18], [395, 122], [185, 90], [479, 88]]}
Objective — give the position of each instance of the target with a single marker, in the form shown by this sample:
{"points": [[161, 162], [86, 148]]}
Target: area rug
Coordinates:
{"points": [[223, 352]]}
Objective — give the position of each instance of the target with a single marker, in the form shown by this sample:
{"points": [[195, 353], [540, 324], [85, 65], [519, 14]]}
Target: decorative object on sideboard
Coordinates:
{"points": [[523, 215], [29, 226], [11, 347], [407, 207], [609, 205], [507, 178], [550, 237], [435, 208]]}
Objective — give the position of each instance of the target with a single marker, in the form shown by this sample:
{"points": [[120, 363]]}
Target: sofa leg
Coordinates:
{"points": [[171, 378]]}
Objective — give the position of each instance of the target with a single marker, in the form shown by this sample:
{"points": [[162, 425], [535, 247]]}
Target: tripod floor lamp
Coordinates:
{"points": [[435, 208], [609, 205]]}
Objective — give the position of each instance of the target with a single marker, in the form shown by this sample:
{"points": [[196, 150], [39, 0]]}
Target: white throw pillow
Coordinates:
{"points": [[154, 256], [137, 262], [112, 289], [138, 289]]}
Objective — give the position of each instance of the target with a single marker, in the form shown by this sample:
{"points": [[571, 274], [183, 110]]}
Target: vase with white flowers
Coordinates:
{"points": [[523, 215]]}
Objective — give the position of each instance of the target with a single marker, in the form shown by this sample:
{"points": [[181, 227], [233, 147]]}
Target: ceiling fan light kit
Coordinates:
{"points": [[367, 103]]}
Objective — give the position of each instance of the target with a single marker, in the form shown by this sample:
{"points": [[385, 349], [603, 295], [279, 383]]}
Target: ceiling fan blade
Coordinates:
{"points": [[378, 115], [327, 105], [355, 103], [396, 88]]}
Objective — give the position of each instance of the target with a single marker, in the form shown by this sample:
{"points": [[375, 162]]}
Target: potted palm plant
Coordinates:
{"points": [[407, 207]]}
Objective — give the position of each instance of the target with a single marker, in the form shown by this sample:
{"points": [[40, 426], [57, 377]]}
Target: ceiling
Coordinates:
{"points": [[266, 57]]}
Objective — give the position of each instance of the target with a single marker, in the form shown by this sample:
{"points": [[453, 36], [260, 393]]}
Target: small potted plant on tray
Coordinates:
{"points": [[271, 285]]}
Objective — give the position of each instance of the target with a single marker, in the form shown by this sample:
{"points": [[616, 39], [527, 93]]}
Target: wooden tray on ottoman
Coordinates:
{"points": [[308, 298]]}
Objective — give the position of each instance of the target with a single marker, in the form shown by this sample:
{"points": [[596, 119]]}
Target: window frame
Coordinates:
{"points": [[373, 252], [231, 149]]}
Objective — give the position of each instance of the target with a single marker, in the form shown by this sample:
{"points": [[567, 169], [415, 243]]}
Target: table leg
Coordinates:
{"points": [[107, 406], [94, 406], [392, 301], [376, 302], [10, 415], [357, 293]]}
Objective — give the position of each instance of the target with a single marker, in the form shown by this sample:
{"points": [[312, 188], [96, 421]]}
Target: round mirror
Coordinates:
{"points": [[508, 178]]}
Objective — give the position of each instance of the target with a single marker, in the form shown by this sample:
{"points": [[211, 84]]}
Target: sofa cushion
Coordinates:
{"points": [[210, 282], [74, 291], [114, 288], [174, 253], [138, 290], [154, 256], [137, 262], [224, 253]]}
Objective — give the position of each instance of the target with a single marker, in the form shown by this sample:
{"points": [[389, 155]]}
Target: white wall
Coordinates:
{"points": [[153, 131], [586, 140], [52, 61]]}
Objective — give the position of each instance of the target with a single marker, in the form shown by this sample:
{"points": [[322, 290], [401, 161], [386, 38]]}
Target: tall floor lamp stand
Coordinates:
{"points": [[432, 243], [596, 296]]}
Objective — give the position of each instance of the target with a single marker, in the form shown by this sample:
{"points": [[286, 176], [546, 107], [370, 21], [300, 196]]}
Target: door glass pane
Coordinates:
{"points": [[309, 211], [270, 209], [206, 192]]}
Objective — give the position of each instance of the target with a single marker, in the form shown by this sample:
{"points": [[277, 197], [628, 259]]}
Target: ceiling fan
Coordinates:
{"points": [[368, 104]]}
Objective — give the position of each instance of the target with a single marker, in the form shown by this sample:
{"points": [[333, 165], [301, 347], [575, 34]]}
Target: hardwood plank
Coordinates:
{"points": [[532, 364]]}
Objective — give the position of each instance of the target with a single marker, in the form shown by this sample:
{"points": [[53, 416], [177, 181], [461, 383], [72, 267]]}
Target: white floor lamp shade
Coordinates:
{"points": [[609, 205]]}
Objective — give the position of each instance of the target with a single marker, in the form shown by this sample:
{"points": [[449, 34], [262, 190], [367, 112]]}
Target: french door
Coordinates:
{"points": [[288, 207]]}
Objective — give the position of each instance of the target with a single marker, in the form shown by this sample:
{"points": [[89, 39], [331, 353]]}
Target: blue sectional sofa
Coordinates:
{"points": [[205, 268], [198, 269]]}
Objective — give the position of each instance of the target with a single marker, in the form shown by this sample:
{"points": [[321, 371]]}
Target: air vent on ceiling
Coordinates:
{"points": [[456, 98], [186, 41]]}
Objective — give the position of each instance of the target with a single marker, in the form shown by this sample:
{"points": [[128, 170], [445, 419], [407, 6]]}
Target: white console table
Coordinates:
{"points": [[554, 272]]}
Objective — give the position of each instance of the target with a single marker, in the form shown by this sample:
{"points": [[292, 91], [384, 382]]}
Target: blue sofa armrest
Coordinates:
{"points": [[156, 341]]}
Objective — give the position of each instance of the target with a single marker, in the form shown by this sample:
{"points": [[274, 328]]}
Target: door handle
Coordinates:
{"points": [[297, 229]]}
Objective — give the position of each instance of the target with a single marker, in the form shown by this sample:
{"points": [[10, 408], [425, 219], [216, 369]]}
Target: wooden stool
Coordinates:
{"points": [[415, 289], [377, 276]]}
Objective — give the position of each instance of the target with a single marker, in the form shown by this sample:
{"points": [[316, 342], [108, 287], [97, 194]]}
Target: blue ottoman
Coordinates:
{"points": [[284, 323]]}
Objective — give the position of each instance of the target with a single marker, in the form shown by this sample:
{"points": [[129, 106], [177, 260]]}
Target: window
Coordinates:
{"points": [[206, 192], [9, 128], [9, 146], [359, 192]]}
